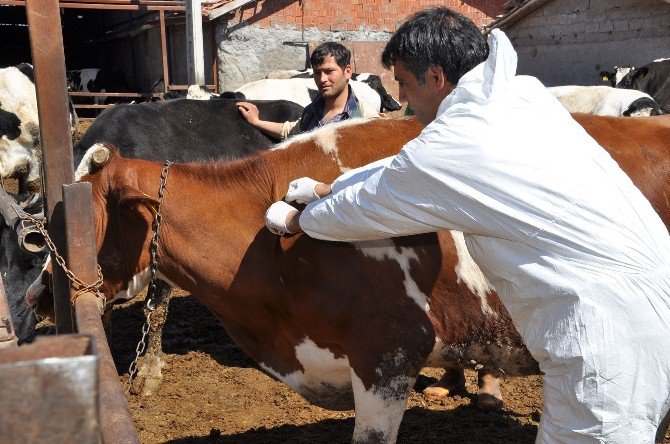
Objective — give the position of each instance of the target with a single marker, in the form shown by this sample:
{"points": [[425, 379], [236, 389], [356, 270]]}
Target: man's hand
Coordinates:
{"points": [[281, 218], [302, 191], [249, 111], [306, 190]]}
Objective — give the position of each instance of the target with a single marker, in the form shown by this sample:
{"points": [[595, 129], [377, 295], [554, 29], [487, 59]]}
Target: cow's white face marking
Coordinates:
{"points": [[136, 284], [84, 166], [385, 249], [323, 372], [469, 273], [379, 411]]}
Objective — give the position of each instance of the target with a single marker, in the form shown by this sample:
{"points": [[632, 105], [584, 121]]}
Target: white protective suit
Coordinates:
{"points": [[575, 251]]}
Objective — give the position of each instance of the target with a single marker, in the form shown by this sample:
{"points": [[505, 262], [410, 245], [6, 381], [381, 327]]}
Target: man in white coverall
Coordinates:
{"points": [[575, 251]]}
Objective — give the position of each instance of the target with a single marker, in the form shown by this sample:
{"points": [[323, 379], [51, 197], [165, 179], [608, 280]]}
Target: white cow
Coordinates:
{"points": [[303, 91], [606, 101], [19, 126]]}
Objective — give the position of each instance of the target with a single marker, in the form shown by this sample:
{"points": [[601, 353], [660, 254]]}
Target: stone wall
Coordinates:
{"points": [[273, 34], [571, 41]]}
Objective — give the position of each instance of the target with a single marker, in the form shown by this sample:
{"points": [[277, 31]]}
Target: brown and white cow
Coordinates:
{"points": [[343, 324]]}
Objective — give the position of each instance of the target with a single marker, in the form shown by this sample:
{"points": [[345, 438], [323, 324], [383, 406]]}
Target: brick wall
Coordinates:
{"points": [[383, 15], [571, 41]]}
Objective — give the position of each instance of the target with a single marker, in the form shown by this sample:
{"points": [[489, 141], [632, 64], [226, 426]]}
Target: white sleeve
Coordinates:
{"points": [[413, 194]]}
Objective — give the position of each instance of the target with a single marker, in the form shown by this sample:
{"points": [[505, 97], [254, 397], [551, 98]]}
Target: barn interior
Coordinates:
{"points": [[126, 44]]}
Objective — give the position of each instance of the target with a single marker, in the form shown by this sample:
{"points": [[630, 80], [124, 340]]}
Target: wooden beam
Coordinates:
{"points": [[228, 7]]}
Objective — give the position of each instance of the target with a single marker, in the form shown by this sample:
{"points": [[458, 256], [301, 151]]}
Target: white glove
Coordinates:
{"points": [[302, 191], [275, 217]]}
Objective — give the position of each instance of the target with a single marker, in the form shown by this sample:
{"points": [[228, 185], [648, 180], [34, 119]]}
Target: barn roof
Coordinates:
{"points": [[519, 9]]}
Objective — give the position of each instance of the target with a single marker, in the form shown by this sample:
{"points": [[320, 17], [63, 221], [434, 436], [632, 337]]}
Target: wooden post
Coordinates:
{"points": [[166, 72], [46, 43], [195, 58]]}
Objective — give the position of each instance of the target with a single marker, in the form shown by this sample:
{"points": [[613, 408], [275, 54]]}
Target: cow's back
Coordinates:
{"points": [[183, 130], [641, 147]]}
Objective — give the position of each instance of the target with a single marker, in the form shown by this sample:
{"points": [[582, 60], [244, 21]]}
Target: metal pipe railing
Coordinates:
{"points": [[117, 426]]}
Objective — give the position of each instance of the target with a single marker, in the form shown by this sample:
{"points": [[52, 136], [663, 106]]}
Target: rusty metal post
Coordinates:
{"points": [[46, 43], [118, 426], [7, 334]]}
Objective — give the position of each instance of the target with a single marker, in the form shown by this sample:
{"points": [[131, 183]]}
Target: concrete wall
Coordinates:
{"points": [[250, 53], [267, 35], [571, 41]]}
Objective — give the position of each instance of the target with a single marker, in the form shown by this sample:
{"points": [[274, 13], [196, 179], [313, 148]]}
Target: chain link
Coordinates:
{"points": [[80, 286], [151, 292]]}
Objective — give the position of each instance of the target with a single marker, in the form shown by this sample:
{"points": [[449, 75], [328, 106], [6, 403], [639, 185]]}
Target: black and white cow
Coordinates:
{"points": [[388, 103], [19, 269], [96, 80], [611, 78], [606, 101], [183, 130], [653, 79], [19, 126]]}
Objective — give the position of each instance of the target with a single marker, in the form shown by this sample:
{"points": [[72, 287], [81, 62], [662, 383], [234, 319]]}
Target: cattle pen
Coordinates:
{"points": [[170, 13], [109, 418]]}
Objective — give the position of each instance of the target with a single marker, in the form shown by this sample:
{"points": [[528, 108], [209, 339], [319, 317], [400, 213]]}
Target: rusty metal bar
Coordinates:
{"points": [[118, 426], [183, 87], [29, 237], [166, 74], [7, 333], [46, 43], [123, 7], [125, 94]]}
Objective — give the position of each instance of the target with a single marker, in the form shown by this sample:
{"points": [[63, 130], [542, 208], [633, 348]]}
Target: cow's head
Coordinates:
{"points": [[19, 127], [632, 77], [122, 217], [375, 82], [74, 80]]}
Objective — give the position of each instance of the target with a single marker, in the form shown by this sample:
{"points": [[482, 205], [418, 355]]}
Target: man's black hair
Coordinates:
{"points": [[437, 36], [341, 54]]}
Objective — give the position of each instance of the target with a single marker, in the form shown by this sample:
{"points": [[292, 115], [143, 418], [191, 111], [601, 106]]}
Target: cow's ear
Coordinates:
{"points": [[131, 196], [640, 74]]}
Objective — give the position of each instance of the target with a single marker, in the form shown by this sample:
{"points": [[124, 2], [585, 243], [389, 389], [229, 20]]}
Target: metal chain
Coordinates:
{"points": [[80, 286], [151, 292]]}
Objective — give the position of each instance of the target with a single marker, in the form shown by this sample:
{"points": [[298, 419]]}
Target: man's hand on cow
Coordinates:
{"points": [[306, 190], [281, 218], [249, 111]]}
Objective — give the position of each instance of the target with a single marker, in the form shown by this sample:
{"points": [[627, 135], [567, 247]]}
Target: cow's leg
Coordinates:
{"points": [[150, 374], [490, 396], [379, 407], [451, 383]]}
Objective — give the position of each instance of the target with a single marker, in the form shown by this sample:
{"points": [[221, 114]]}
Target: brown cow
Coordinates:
{"points": [[331, 320]]}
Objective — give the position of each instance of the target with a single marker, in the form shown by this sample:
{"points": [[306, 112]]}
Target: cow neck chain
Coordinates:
{"points": [[80, 286], [151, 293]]}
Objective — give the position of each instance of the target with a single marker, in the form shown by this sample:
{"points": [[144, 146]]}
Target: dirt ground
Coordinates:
{"points": [[212, 392]]}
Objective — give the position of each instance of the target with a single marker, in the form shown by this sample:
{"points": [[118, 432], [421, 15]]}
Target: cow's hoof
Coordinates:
{"points": [[451, 383], [437, 392], [489, 403], [490, 395], [149, 376]]}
